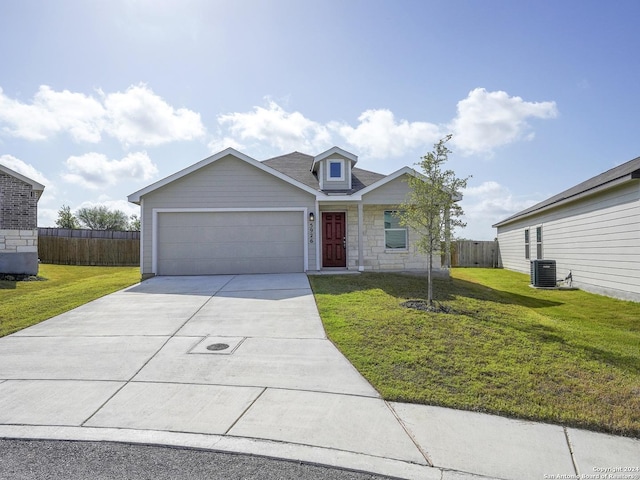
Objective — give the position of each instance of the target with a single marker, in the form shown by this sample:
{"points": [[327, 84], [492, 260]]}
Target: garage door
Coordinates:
{"points": [[208, 243]]}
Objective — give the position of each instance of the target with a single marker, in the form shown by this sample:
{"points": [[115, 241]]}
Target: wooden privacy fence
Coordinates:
{"points": [[85, 233], [111, 248], [470, 253], [88, 247]]}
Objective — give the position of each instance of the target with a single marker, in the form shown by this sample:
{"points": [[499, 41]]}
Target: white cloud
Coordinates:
{"points": [[52, 112], [219, 144], [484, 121], [491, 198], [487, 120], [122, 205], [24, 168], [17, 165], [95, 170], [487, 204], [140, 117], [47, 216], [379, 135], [284, 130], [136, 117]]}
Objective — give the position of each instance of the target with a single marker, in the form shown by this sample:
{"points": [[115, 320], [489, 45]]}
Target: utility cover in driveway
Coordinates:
{"points": [[212, 243], [218, 345]]}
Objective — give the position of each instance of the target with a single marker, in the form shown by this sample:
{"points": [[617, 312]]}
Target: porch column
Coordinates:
{"points": [[318, 225], [360, 237]]}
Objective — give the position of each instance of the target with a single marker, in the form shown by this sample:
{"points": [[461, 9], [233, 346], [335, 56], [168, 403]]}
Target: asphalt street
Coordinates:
{"points": [[63, 460]]}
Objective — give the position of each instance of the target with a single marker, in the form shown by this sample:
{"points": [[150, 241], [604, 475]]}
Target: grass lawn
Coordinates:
{"points": [[565, 357], [65, 287]]}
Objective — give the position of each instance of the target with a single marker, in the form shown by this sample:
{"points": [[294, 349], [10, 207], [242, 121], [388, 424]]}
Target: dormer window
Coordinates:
{"points": [[335, 171]]}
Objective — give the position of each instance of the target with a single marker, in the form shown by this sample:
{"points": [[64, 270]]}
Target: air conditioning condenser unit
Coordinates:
{"points": [[543, 273]]}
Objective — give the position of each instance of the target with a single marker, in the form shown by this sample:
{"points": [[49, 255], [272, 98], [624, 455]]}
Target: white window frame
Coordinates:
{"points": [[404, 229], [335, 179], [539, 242]]}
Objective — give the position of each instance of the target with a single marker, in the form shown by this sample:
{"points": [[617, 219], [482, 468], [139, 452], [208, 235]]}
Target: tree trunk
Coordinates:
{"points": [[429, 282]]}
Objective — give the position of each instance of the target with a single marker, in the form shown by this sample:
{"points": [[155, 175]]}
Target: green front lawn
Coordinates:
{"points": [[64, 287], [566, 357]]}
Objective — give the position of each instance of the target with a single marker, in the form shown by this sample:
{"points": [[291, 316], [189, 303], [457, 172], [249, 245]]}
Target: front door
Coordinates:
{"points": [[334, 240]]}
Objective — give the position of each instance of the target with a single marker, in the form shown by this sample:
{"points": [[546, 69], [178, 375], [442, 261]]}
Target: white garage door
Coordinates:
{"points": [[211, 243]]}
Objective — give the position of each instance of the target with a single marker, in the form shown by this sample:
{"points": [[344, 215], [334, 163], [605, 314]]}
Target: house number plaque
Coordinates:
{"points": [[311, 232]]}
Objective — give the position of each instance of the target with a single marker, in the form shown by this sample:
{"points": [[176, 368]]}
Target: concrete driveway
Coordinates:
{"points": [[242, 364]]}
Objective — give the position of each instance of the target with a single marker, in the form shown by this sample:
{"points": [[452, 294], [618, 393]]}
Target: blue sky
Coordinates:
{"points": [[101, 98]]}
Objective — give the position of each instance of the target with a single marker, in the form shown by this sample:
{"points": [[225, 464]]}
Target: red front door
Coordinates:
{"points": [[334, 252]]}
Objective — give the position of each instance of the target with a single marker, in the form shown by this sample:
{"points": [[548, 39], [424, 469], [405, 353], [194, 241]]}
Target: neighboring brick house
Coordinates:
{"points": [[19, 197]]}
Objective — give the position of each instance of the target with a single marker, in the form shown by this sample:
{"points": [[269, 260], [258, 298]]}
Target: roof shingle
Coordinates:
{"points": [[298, 166]]}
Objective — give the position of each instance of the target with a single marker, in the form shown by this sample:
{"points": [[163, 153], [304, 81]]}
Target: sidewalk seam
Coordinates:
{"points": [[413, 439], [573, 458], [244, 412]]}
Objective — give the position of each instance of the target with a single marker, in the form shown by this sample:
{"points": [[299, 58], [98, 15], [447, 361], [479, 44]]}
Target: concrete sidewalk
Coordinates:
{"points": [[242, 364]]}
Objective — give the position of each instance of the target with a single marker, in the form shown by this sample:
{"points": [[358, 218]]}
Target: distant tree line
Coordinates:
{"points": [[97, 218]]}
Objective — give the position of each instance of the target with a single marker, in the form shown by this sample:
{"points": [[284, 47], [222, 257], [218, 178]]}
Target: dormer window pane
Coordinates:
{"points": [[335, 170]]}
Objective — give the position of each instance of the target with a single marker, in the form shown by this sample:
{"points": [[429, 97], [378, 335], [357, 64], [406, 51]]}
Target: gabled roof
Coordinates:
{"points": [[387, 178], [38, 187], [136, 196], [295, 169], [457, 196], [331, 151], [298, 166], [611, 178]]}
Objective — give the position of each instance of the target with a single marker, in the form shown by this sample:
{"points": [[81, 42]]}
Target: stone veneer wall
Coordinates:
{"points": [[19, 251], [352, 237], [375, 255], [18, 241], [18, 226]]}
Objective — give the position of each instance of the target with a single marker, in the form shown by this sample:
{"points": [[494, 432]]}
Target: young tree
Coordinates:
{"points": [[431, 206], [66, 219], [101, 218], [134, 223]]}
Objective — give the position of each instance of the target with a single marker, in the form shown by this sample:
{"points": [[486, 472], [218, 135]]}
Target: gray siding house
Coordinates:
{"points": [[19, 197], [230, 214], [591, 230]]}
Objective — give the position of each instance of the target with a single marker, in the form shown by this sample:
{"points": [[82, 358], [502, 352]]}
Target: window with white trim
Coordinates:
{"points": [[335, 170], [527, 251], [395, 235], [539, 242]]}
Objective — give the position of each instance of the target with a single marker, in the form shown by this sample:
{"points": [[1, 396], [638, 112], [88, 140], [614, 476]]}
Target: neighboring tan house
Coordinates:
{"points": [[231, 214], [19, 197], [591, 230]]}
